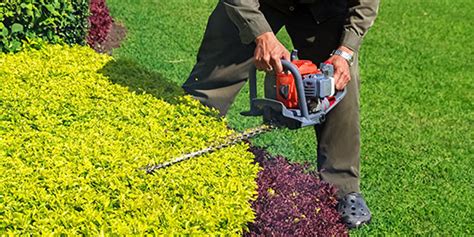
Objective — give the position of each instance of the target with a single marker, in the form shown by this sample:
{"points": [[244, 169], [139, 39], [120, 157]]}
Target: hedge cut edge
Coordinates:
{"points": [[231, 140], [300, 96]]}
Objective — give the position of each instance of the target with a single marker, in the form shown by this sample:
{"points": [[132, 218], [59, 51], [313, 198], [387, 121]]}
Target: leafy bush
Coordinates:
{"points": [[100, 22], [293, 203], [72, 144], [42, 21]]}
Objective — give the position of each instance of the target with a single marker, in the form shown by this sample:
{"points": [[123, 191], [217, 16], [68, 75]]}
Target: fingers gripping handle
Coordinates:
{"points": [[331, 101]]}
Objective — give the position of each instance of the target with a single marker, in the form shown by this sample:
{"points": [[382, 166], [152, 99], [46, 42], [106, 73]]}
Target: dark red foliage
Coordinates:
{"points": [[100, 22], [293, 203]]}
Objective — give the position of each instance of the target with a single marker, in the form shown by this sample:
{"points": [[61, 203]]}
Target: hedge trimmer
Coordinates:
{"points": [[300, 96]]}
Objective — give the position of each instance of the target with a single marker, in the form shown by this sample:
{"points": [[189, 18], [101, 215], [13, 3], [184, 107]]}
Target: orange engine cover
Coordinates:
{"points": [[285, 83]]}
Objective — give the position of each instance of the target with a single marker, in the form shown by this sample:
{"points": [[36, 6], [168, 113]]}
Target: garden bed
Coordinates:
{"points": [[73, 145], [292, 201]]}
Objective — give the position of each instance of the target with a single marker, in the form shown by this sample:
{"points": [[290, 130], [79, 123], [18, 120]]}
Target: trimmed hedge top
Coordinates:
{"points": [[72, 144]]}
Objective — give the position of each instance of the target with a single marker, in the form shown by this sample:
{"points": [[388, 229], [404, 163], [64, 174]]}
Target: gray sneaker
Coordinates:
{"points": [[354, 210]]}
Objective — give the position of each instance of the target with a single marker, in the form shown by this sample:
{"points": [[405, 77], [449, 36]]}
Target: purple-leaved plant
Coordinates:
{"points": [[100, 22], [291, 202]]}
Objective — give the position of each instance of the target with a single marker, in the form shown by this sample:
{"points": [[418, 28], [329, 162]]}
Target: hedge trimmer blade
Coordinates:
{"points": [[231, 140]]}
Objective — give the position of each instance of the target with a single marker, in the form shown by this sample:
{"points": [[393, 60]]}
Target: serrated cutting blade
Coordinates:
{"points": [[229, 141]]}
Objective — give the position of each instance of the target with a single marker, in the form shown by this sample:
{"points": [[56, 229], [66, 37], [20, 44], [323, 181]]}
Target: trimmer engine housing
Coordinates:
{"points": [[317, 85], [300, 96]]}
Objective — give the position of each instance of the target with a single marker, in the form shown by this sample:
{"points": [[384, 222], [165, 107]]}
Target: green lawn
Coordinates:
{"points": [[417, 104]]}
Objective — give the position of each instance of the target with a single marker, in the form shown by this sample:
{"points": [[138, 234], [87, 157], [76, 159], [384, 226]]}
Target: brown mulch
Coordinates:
{"points": [[114, 38]]}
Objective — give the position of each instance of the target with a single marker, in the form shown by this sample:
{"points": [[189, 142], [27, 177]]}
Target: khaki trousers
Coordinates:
{"points": [[222, 67]]}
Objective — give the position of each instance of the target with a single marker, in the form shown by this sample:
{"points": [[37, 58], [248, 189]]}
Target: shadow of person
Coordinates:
{"points": [[128, 73]]}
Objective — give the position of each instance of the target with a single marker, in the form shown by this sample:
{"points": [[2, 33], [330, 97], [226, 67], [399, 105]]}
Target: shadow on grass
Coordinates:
{"points": [[140, 80]]}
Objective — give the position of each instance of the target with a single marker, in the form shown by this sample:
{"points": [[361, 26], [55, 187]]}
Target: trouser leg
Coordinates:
{"points": [[223, 62], [339, 141], [338, 138]]}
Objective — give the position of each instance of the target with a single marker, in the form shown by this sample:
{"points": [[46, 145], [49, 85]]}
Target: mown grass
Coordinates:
{"points": [[416, 104]]}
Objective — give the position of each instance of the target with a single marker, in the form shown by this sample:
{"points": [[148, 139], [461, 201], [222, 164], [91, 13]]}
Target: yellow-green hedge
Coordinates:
{"points": [[72, 143]]}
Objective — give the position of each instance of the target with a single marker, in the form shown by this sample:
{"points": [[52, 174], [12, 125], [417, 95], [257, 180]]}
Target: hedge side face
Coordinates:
{"points": [[72, 145], [42, 21]]}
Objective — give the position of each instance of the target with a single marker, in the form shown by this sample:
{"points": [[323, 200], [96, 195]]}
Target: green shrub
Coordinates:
{"points": [[40, 21], [72, 144]]}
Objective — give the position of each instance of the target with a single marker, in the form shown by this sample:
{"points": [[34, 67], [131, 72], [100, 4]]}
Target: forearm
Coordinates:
{"points": [[250, 21], [361, 17]]}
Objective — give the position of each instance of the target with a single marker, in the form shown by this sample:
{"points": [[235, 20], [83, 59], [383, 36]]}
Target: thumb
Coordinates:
{"points": [[278, 66]]}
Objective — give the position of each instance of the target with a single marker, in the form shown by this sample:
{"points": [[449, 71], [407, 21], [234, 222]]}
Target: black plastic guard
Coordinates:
{"points": [[274, 112]]}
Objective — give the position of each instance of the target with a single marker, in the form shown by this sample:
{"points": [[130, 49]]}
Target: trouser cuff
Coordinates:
{"points": [[342, 190]]}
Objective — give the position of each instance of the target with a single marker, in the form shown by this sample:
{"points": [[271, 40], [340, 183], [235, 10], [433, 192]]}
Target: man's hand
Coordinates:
{"points": [[269, 52], [342, 74]]}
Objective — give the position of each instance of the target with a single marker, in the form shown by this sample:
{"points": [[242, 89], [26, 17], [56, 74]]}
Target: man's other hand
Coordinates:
{"points": [[342, 74], [269, 52]]}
